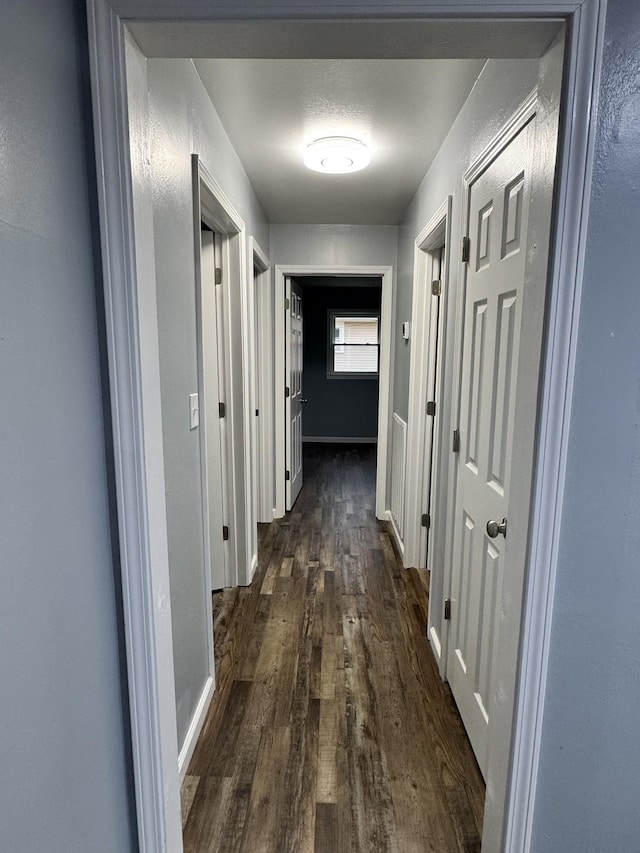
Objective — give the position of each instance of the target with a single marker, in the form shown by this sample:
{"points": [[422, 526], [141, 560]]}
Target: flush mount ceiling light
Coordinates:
{"points": [[337, 155]]}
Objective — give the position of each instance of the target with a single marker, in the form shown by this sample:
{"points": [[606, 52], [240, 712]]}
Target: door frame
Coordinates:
{"points": [[208, 408], [432, 236], [294, 395], [384, 377], [134, 384], [264, 430], [220, 214]]}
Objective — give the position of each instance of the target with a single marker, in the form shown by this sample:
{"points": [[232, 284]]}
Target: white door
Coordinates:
{"points": [[498, 215], [212, 438], [293, 393]]}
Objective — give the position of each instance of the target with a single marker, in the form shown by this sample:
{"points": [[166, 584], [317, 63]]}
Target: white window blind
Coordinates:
{"points": [[355, 343]]}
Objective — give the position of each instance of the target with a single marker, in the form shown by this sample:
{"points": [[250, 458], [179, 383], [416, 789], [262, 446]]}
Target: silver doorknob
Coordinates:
{"points": [[304, 400], [495, 527]]}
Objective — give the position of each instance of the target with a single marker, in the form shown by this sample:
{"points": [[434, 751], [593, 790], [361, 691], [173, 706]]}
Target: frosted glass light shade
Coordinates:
{"points": [[337, 155]]}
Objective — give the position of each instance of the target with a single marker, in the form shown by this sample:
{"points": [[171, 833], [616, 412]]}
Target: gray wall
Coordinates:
{"points": [[334, 245], [337, 406], [182, 121], [63, 748], [589, 782]]}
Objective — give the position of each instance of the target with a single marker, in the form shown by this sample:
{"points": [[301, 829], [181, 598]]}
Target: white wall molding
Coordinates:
{"points": [[398, 474], [195, 727], [395, 532], [436, 645]]}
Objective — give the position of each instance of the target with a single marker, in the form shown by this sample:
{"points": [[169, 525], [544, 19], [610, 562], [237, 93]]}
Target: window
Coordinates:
{"points": [[354, 343]]}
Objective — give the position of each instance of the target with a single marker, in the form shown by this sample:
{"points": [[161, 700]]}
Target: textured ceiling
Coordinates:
{"points": [[403, 109], [397, 83]]}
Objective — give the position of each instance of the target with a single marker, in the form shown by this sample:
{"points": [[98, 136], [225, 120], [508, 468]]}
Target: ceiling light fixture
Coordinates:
{"points": [[337, 155]]}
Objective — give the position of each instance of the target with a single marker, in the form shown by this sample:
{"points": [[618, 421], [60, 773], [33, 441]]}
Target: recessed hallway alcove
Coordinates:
{"points": [[330, 729]]}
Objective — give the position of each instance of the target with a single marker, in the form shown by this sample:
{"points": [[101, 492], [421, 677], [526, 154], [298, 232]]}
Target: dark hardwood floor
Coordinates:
{"points": [[330, 730]]}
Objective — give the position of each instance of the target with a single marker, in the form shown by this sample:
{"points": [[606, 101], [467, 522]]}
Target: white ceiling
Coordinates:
{"points": [[402, 109], [397, 84]]}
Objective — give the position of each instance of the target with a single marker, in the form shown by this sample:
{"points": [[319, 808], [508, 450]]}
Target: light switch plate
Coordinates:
{"points": [[194, 411]]}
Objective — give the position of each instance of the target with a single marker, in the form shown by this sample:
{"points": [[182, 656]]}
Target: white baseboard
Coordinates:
{"points": [[436, 645], [193, 733], [396, 534], [253, 567], [339, 439]]}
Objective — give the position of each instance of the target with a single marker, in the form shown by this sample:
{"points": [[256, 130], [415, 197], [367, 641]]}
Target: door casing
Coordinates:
{"points": [[263, 382], [436, 233], [131, 336], [384, 380]]}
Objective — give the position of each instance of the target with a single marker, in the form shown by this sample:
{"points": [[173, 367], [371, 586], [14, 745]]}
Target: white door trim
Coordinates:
{"points": [[384, 378], [503, 688], [502, 138], [131, 334], [434, 234], [202, 707], [220, 214], [134, 384], [583, 61], [264, 431]]}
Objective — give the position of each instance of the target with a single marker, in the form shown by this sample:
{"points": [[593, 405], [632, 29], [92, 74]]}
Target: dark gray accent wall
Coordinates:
{"points": [[63, 749], [337, 406], [589, 780]]}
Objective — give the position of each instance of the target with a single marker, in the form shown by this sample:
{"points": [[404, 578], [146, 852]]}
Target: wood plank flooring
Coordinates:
{"points": [[330, 730]]}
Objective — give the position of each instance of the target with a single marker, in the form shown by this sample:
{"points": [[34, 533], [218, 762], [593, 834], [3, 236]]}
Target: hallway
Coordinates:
{"points": [[330, 729]]}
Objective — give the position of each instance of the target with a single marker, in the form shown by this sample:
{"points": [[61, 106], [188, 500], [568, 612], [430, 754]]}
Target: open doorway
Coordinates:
{"points": [[564, 250], [363, 277], [332, 365]]}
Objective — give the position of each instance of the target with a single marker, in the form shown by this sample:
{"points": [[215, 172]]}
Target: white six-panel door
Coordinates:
{"points": [[498, 208], [293, 335]]}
